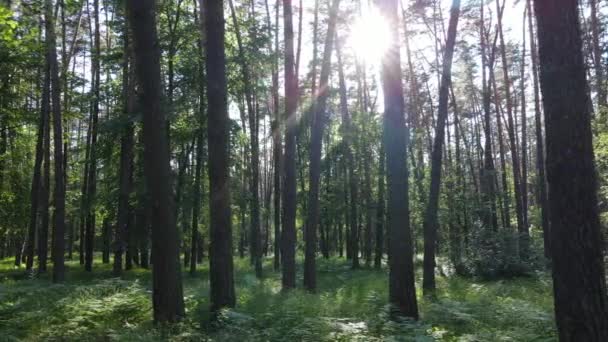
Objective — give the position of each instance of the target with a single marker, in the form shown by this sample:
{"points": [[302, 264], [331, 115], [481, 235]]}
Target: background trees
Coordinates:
{"points": [[301, 125]]}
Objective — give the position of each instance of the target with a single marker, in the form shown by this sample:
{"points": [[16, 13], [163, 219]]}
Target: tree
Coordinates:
{"points": [[92, 177], [167, 295], [540, 150], [126, 161], [36, 178], [318, 126], [59, 192], [220, 250], [255, 240], [430, 219], [581, 310], [402, 291], [288, 235]]}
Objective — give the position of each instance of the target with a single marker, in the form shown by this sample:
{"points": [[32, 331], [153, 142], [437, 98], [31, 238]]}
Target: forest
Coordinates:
{"points": [[303, 170]]}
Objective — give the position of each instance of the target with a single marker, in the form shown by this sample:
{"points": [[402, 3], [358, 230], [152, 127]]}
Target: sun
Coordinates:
{"points": [[369, 35]]}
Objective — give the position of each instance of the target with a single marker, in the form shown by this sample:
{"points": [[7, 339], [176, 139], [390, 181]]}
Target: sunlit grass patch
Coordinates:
{"points": [[349, 305]]}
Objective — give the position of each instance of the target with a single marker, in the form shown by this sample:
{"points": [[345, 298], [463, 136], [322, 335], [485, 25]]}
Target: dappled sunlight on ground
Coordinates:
{"points": [[349, 305]]}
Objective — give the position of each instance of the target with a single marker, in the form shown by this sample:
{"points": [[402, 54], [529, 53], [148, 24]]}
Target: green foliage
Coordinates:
{"points": [[348, 306], [496, 255]]}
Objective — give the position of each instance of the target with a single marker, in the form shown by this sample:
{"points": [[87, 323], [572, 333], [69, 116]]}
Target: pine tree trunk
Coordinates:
{"points": [[352, 248], [430, 220], [220, 250], [126, 162], [579, 286], [59, 192], [168, 301], [380, 220], [288, 235], [540, 151], [402, 291], [35, 193], [92, 178], [487, 178], [318, 127]]}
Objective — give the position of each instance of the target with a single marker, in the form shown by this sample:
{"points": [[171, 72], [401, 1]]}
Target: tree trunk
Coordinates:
{"points": [[126, 161], [598, 62], [487, 178], [220, 250], [288, 235], [576, 243], [318, 126], [168, 300], [352, 248], [430, 219], [197, 197], [402, 291], [35, 193], [59, 192], [540, 151], [511, 129], [92, 178], [255, 240], [380, 208], [524, 239]]}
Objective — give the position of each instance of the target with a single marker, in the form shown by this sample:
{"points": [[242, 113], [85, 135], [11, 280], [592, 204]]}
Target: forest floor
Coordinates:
{"points": [[350, 305]]}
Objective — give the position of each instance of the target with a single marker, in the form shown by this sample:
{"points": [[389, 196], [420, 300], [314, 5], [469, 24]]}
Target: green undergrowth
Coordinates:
{"points": [[350, 305]]}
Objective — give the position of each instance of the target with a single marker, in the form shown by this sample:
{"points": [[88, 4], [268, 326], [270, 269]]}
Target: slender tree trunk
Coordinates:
{"points": [[35, 193], [126, 161], [276, 128], [430, 219], [598, 62], [380, 208], [524, 239], [402, 291], [501, 149], [511, 129], [540, 151], [488, 189], [318, 127], [197, 197], [168, 301], [255, 240], [220, 250], [59, 192], [576, 243], [352, 248], [43, 233], [92, 178], [288, 235]]}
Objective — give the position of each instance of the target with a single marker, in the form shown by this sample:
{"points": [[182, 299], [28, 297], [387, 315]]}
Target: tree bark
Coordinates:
{"points": [[540, 151], [430, 224], [168, 301], [122, 233], [220, 250], [288, 235], [511, 129], [318, 127], [92, 178], [380, 220], [402, 291], [579, 286], [35, 193], [59, 192], [352, 249], [255, 240]]}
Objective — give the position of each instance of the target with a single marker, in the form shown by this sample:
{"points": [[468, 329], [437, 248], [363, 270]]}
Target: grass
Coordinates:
{"points": [[350, 305]]}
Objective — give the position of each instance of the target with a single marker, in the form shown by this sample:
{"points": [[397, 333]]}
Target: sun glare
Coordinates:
{"points": [[369, 36]]}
